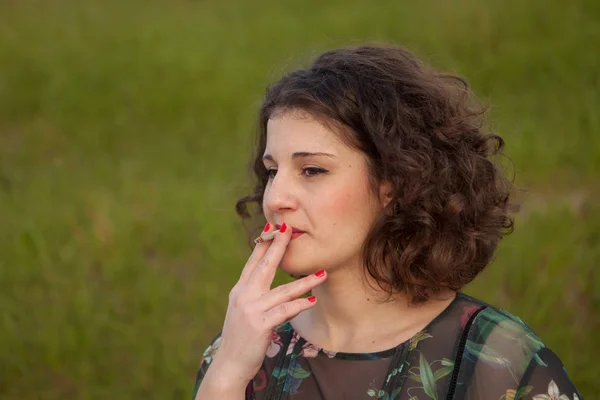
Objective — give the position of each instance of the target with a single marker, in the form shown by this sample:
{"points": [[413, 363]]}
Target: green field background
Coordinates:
{"points": [[125, 131]]}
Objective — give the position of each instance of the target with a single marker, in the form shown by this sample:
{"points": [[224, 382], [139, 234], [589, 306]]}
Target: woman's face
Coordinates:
{"points": [[320, 186]]}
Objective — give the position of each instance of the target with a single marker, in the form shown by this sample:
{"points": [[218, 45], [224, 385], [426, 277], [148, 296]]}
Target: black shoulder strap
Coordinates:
{"points": [[459, 354]]}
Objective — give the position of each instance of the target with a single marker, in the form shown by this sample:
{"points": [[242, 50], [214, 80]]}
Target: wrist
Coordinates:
{"points": [[224, 378]]}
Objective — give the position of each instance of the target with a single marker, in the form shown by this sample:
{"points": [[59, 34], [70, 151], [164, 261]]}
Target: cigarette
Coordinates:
{"points": [[265, 236]]}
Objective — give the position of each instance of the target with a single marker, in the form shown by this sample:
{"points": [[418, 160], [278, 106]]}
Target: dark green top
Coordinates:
{"points": [[470, 351]]}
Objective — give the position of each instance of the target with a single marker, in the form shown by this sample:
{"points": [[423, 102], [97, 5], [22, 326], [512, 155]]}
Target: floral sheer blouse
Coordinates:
{"points": [[470, 351]]}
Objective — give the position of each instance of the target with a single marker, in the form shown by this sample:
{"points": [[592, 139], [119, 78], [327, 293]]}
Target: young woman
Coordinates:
{"points": [[377, 182]]}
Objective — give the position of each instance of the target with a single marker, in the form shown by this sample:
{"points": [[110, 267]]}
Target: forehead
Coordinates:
{"points": [[295, 130]]}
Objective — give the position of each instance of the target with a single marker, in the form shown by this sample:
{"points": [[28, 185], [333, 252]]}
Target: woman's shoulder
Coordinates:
{"points": [[491, 330], [487, 318], [496, 343]]}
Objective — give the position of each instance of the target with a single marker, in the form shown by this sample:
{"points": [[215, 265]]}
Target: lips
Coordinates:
{"points": [[294, 230]]}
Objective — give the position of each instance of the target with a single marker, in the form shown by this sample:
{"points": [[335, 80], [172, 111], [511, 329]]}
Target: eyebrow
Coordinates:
{"points": [[300, 154]]}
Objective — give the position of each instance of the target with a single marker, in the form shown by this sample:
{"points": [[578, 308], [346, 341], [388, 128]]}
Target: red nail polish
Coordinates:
{"points": [[283, 228], [312, 299], [320, 273], [267, 226]]}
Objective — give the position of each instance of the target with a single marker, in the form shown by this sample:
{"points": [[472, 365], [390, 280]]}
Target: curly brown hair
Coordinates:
{"points": [[422, 132]]}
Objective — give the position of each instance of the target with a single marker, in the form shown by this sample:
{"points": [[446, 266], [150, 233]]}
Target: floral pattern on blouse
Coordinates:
{"points": [[472, 350], [554, 394]]}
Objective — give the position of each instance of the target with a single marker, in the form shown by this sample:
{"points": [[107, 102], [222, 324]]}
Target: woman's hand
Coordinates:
{"points": [[254, 309]]}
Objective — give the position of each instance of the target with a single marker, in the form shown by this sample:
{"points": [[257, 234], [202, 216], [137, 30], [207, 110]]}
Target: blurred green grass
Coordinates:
{"points": [[125, 129]]}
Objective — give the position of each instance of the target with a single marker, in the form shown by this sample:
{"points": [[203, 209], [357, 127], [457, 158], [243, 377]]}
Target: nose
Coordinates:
{"points": [[280, 193]]}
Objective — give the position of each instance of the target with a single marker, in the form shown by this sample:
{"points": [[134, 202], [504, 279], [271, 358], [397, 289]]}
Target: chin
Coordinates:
{"points": [[296, 272], [296, 269]]}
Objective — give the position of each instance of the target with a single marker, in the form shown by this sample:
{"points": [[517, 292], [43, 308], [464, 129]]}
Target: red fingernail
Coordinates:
{"points": [[320, 273], [267, 226], [312, 299], [283, 228]]}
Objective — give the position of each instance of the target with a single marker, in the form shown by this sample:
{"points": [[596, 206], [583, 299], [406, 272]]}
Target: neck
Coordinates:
{"points": [[350, 316]]}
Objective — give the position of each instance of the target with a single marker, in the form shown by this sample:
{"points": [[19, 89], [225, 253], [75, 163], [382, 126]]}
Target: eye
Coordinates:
{"points": [[271, 173], [308, 172], [312, 171]]}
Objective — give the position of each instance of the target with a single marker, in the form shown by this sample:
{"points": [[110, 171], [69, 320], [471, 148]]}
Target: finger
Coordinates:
{"points": [[257, 254], [264, 272], [290, 291], [286, 311]]}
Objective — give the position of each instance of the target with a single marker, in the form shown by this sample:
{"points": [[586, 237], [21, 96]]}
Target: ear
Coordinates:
{"points": [[385, 193]]}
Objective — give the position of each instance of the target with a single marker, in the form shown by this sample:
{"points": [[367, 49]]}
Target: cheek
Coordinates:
{"points": [[346, 206]]}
